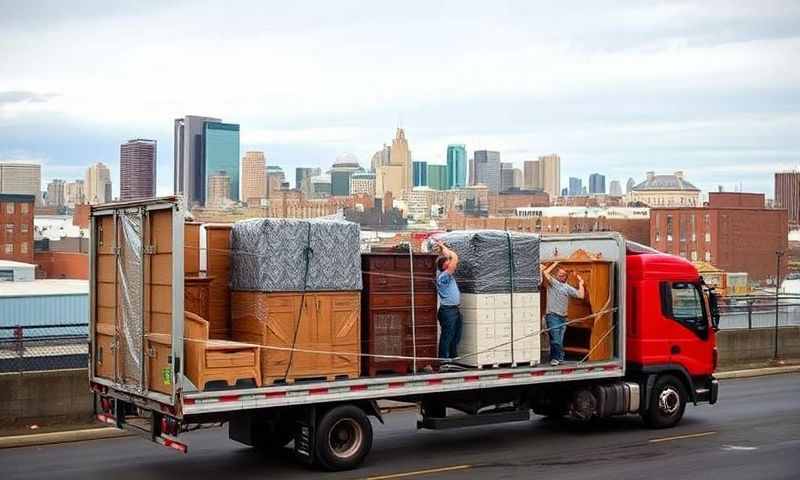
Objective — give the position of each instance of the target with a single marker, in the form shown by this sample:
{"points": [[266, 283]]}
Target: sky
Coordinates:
{"points": [[620, 88]]}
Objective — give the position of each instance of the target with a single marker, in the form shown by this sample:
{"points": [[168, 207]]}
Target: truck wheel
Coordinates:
{"points": [[343, 438], [667, 403]]}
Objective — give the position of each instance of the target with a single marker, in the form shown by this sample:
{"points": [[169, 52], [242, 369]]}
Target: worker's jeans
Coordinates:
{"points": [[556, 325], [450, 322]]}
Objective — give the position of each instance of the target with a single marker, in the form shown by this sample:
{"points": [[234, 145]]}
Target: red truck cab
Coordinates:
{"points": [[671, 320]]}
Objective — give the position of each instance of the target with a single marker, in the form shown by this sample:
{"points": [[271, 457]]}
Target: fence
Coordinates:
{"points": [[43, 347], [748, 312]]}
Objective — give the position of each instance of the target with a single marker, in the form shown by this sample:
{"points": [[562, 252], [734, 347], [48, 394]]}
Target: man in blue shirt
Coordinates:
{"points": [[558, 295], [449, 299]]}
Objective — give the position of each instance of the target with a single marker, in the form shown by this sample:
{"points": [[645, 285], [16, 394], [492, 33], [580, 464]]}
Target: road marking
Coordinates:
{"points": [[680, 437], [738, 447], [421, 472]]}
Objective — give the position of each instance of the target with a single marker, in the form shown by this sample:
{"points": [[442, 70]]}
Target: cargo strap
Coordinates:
{"points": [[511, 285], [307, 251]]}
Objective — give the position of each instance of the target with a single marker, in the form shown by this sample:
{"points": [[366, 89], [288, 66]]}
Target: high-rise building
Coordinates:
{"points": [[574, 186], [456, 166], [362, 183], [219, 189], [55, 193], [254, 176], [21, 178], [137, 169], [518, 180], [319, 186], [401, 155], [629, 186], [16, 217], [301, 173], [381, 157], [74, 193], [564, 192], [275, 179], [438, 177], [97, 184], [189, 170], [420, 174], [550, 174], [533, 175], [345, 166], [471, 171], [396, 176], [615, 188], [487, 169], [787, 194], [221, 152], [506, 176], [597, 183]]}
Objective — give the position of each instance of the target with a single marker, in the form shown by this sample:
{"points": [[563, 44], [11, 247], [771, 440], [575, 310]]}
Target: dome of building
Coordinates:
{"points": [[346, 160], [665, 182]]}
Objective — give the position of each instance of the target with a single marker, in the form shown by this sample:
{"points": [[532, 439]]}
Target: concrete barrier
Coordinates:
{"points": [[52, 396], [746, 347]]}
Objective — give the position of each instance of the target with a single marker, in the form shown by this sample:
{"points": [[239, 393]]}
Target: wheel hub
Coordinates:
{"points": [[346, 437], [669, 401]]}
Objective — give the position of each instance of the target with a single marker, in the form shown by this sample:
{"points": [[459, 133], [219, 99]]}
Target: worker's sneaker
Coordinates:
{"points": [[554, 363]]}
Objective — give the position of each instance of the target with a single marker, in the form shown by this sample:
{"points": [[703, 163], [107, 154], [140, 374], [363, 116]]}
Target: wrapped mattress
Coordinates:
{"points": [[494, 261], [270, 254]]}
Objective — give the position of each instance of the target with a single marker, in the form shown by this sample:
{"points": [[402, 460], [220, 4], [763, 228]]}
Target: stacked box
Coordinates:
{"points": [[487, 329]]}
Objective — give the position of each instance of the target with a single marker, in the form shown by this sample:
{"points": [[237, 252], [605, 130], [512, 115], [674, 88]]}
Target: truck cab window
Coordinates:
{"points": [[683, 302]]}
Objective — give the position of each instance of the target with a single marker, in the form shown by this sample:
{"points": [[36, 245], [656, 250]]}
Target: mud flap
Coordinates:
{"points": [[304, 435]]}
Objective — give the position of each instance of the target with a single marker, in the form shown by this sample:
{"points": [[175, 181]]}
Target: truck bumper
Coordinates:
{"points": [[708, 392]]}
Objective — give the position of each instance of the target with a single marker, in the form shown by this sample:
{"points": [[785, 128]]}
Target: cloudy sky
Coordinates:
{"points": [[711, 88]]}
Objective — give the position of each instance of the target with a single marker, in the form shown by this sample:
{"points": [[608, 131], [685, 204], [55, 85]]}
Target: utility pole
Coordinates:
{"points": [[778, 256]]}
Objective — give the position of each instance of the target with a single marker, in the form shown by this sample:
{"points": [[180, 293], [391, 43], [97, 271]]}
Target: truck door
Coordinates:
{"points": [[691, 343]]}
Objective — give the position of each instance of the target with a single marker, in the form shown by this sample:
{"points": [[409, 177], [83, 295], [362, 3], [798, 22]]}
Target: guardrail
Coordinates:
{"points": [[43, 347], [759, 311]]}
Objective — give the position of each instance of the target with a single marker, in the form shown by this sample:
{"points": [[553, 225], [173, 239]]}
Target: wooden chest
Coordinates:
{"points": [[386, 312], [323, 329]]}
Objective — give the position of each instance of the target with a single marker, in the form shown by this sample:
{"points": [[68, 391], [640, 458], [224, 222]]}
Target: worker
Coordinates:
{"points": [[558, 293], [449, 315]]}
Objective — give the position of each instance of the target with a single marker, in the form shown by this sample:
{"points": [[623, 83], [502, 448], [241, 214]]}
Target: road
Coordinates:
{"points": [[753, 432]]}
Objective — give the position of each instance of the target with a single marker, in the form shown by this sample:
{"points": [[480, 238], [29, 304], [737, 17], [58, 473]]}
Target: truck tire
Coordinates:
{"points": [[667, 403], [343, 438]]}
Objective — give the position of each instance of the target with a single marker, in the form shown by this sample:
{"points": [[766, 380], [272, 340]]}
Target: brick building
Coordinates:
{"points": [[734, 231], [787, 194], [16, 221], [504, 203]]}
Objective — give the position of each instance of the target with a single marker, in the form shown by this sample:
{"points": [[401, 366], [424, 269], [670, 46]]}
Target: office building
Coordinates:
{"points": [[97, 184], [532, 175], [275, 180], [55, 193], [16, 219], [456, 166], [189, 169], [575, 186], [319, 186], [254, 176], [219, 189], [137, 169], [615, 188], [506, 176], [550, 174], [564, 192], [362, 183], [597, 184], [787, 195], [438, 176], [665, 191], [301, 173], [629, 185], [487, 169], [345, 166], [395, 177], [734, 232], [221, 152], [381, 158], [21, 178], [420, 174], [74, 193]]}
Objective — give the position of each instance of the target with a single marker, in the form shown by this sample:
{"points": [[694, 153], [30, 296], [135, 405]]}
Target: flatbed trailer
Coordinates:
{"points": [[328, 420]]}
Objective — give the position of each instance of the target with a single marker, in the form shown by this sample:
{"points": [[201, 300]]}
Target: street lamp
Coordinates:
{"points": [[778, 255]]}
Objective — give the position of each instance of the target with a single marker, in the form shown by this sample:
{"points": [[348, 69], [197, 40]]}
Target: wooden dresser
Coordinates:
{"points": [[386, 311]]}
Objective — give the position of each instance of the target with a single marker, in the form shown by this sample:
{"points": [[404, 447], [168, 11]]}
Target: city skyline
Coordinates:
{"points": [[629, 87]]}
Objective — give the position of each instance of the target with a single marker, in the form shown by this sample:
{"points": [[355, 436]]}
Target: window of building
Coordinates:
{"points": [[23, 208], [694, 255], [23, 227], [23, 247], [9, 231], [708, 237], [9, 250], [669, 228], [708, 256], [10, 208], [658, 236], [693, 227]]}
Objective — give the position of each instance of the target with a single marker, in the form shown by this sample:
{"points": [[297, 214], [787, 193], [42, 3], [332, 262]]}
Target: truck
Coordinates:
{"points": [[664, 354]]}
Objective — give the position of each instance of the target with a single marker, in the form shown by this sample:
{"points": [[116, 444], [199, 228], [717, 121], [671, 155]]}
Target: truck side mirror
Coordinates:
{"points": [[713, 306]]}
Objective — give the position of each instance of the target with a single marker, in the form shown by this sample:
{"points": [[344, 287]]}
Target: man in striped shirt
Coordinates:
{"points": [[558, 293]]}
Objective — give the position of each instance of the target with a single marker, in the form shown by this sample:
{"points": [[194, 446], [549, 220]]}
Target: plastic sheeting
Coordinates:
{"points": [[130, 294], [270, 254], [494, 261]]}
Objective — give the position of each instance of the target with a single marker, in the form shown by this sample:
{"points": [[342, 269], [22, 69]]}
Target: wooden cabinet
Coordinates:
{"points": [[387, 323], [323, 329], [592, 337], [218, 266], [191, 248], [196, 292]]}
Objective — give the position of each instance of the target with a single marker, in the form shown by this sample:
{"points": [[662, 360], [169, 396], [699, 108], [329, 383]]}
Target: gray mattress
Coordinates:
{"points": [[486, 257], [269, 255]]}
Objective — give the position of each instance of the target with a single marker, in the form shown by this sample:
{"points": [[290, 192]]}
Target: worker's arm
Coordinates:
{"points": [[581, 288], [546, 271], [452, 256]]}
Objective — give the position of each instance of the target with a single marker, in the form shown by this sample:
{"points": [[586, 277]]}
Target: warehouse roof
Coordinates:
{"points": [[44, 287]]}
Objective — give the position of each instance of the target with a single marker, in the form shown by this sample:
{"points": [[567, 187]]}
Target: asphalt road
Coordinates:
{"points": [[752, 433]]}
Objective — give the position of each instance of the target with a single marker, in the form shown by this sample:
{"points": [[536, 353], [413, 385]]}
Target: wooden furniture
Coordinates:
{"points": [[218, 242], [593, 336], [217, 360], [191, 249], [386, 311], [196, 292], [310, 322]]}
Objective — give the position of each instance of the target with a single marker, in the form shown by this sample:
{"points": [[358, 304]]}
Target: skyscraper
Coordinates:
{"points": [[275, 178], [437, 176], [189, 169], [420, 174], [219, 189], [629, 185], [575, 186], [74, 194], [597, 183], [395, 176], [22, 178], [506, 176], [381, 157], [787, 194], [550, 174], [301, 173], [346, 165], [254, 176], [456, 166], [533, 176], [487, 169], [221, 152], [137, 169], [402, 156], [615, 188], [518, 180], [362, 183], [55, 193], [98, 184]]}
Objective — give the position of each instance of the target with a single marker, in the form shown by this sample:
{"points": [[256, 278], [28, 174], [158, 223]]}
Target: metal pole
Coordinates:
{"points": [[778, 255], [750, 314]]}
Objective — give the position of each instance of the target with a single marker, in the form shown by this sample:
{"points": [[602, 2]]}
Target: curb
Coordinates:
{"points": [[68, 436], [757, 372]]}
